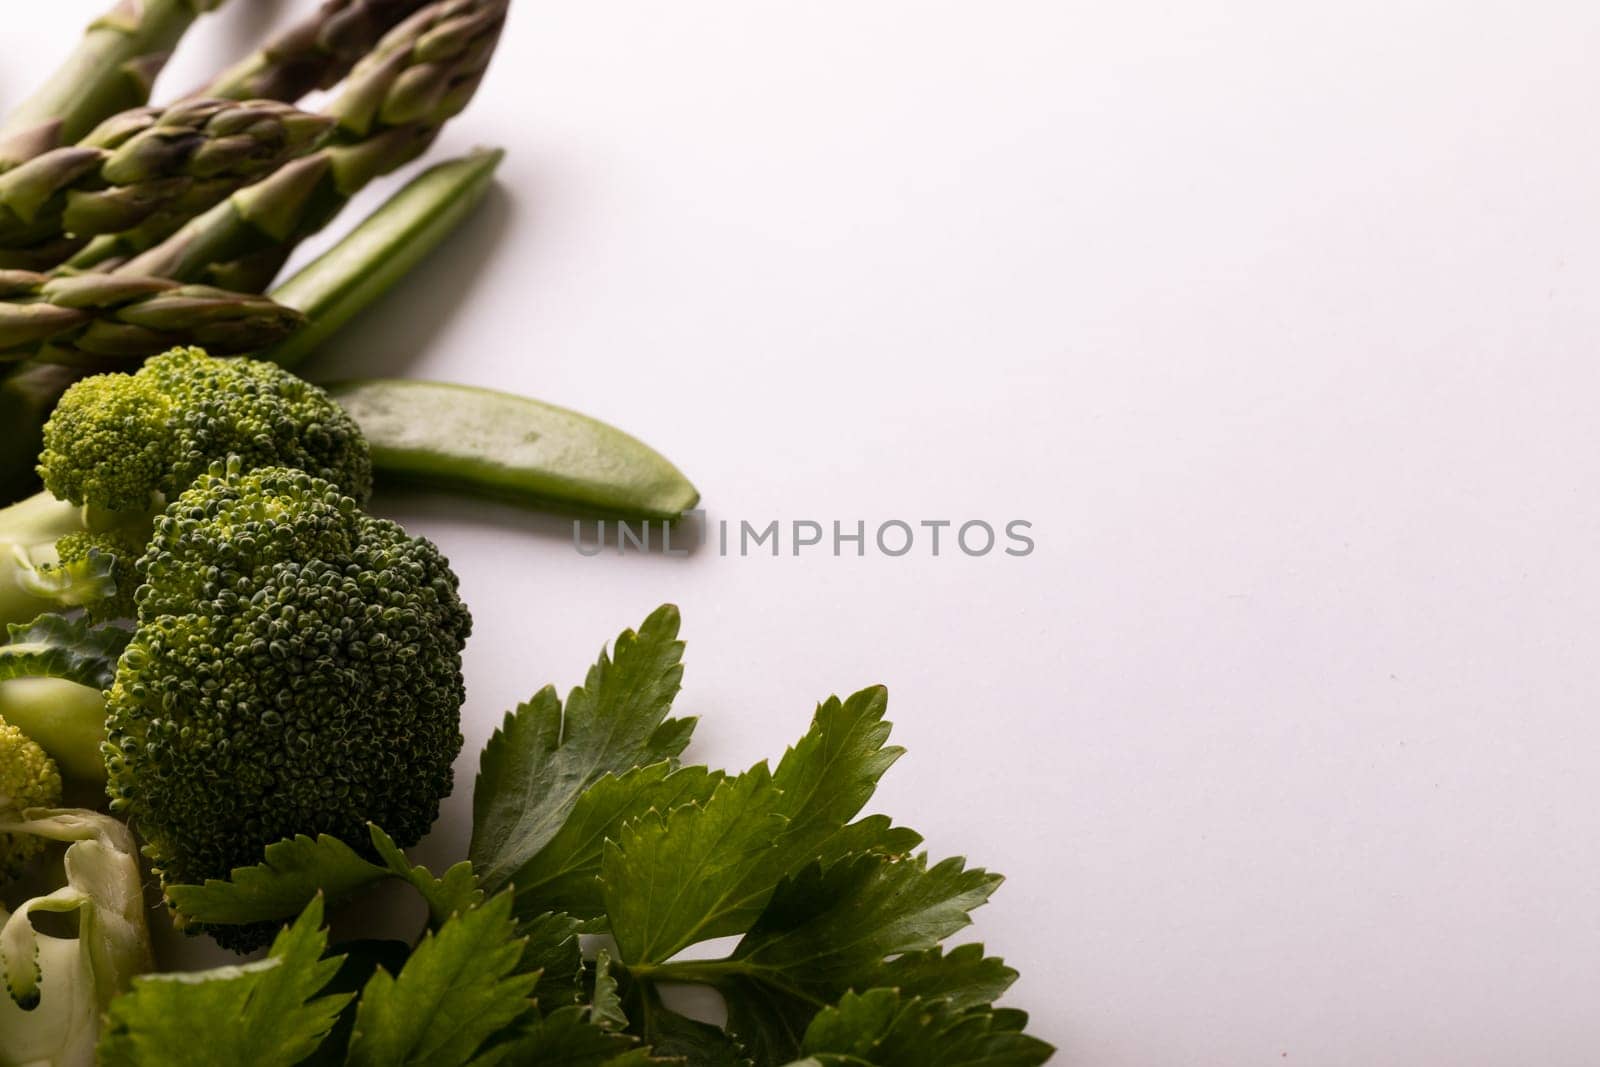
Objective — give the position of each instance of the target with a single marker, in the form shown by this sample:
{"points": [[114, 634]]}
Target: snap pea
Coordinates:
{"points": [[487, 443], [380, 251]]}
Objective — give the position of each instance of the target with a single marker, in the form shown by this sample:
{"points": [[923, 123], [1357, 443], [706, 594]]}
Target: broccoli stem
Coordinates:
{"points": [[39, 519], [110, 71], [64, 718]]}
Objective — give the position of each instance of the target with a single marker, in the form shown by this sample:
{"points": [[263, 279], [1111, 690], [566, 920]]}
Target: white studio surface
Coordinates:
{"points": [[1279, 324]]}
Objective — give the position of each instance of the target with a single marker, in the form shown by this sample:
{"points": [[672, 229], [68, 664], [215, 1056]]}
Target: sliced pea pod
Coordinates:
{"points": [[465, 439]]}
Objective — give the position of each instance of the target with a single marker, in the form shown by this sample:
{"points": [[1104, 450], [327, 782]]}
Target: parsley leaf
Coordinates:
{"points": [[553, 953], [829, 930], [883, 1028], [541, 759], [706, 870], [605, 1008], [295, 871], [459, 987], [259, 1013], [565, 874], [567, 1038], [964, 976], [291, 873], [671, 880]]}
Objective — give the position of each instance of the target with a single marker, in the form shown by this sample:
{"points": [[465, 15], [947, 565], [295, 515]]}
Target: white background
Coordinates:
{"points": [[1276, 320]]}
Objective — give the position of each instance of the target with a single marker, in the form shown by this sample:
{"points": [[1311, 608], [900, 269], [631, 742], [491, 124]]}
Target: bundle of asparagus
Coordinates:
{"points": [[127, 229], [147, 168]]}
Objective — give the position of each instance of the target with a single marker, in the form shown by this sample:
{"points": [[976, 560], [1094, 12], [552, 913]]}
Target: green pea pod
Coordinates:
{"points": [[478, 441], [381, 251]]}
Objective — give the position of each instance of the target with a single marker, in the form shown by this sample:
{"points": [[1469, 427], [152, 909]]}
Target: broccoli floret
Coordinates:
{"points": [[296, 669], [117, 440], [109, 441], [28, 779], [119, 446]]}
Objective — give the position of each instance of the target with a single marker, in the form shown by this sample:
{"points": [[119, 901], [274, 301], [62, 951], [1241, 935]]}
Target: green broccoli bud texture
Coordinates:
{"points": [[28, 779], [296, 670], [117, 440]]}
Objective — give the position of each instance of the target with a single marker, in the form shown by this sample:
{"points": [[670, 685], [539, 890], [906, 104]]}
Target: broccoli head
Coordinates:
{"points": [[296, 669], [28, 779], [117, 440]]}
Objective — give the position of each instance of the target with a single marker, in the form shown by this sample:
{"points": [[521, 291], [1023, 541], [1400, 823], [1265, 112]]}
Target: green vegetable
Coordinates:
{"points": [[459, 988], [117, 441], [511, 448], [34, 576], [313, 53], [122, 445], [447, 1005], [52, 674], [259, 1013], [339, 285], [569, 1037], [60, 986], [380, 251], [540, 762], [297, 870], [110, 321], [296, 669], [584, 809], [886, 1028], [110, 71], [826, 902], [28, 779], [151, 168], [393, 105]]}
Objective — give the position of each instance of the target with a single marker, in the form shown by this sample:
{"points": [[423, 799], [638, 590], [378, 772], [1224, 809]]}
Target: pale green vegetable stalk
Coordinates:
{"points": [[313, 53], [392, 107], [151, 168], [107, 321], [111, 70], [60, 986]]}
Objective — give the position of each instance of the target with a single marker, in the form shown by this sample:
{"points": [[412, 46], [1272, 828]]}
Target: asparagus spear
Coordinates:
{"points": [[102, 320], [151, 167], [110, 71], [422, 73], [313, 54]]}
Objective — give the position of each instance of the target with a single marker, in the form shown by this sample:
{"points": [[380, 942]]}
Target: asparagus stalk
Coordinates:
{"points": [[150, 168], [110, 71], [313, 54], [106, 321], [422, 74]]}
